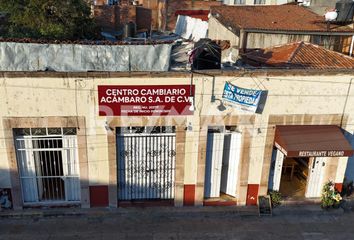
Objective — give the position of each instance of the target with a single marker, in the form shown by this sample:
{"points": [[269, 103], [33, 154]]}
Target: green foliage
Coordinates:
{"points": [[276, 198], [48, 19], [330, 196]]}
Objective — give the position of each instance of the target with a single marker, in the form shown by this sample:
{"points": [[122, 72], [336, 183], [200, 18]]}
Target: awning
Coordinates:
{"points": [[312, 141]]}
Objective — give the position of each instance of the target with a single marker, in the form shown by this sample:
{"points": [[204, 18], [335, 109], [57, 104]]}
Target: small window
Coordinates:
{"points": [[54, 131], [259, 1], [137, 129], [39, 131], [22, 131], [216, 129], [169, 129], [69, 131]]}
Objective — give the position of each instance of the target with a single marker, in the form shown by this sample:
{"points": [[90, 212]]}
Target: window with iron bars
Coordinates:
{"points": [[48, 164]]}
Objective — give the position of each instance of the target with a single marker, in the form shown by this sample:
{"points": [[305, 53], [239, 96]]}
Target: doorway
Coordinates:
{"points": [[296, 177], [222, 163], [146, 163]]}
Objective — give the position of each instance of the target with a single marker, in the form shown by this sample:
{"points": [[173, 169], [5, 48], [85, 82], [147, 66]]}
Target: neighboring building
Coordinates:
{"points": [[266, 26], [113, 17], [108, 138], [164, 12], [321, 6], [192, 24]]}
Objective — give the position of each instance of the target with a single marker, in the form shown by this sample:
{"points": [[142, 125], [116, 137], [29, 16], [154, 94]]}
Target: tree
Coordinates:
{"points": [[48, 19]]}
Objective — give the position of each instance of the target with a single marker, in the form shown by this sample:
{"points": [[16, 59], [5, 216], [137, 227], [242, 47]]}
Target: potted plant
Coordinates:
{"points": [[275, 198], [330, 197]]}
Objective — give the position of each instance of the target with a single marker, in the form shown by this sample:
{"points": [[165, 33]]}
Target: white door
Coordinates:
{"points": [[214, 154], [27, 168], [71, 168], [276, 170], [230, 163], [315, 181]]}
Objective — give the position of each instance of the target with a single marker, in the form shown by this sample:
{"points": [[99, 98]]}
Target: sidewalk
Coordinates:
{"points": [[242, 211]]}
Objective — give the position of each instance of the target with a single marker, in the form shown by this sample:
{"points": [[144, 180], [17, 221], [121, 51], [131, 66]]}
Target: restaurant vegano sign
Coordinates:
{"points": [[246, 99], [145, 100]]}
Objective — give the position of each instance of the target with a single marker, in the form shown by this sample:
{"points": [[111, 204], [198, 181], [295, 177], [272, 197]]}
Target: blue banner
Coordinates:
{"points": [[247, 99]]}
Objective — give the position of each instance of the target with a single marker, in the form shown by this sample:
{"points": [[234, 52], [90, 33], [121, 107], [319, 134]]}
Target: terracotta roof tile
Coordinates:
{"points": [[299, 55], [274, 17]]}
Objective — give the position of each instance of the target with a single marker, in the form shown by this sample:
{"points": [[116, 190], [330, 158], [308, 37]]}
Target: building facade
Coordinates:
{"points": [[75, 139]]}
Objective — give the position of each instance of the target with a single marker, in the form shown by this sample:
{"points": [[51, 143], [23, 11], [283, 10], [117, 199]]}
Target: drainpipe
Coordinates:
{"points": [[351, 46]]}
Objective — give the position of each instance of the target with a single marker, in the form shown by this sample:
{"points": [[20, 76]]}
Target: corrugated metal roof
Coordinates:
{"points": [[274, 17], [299, 55]]}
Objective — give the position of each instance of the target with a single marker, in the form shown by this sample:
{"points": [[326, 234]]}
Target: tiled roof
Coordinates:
{"points": [[274, 17], [298, 55]]}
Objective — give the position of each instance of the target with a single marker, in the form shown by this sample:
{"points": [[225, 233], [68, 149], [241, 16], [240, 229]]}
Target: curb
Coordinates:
{"points": [[294, 210]]}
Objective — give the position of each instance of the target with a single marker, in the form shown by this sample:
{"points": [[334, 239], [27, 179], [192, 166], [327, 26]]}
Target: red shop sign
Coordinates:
{"points": [[145, 100]]}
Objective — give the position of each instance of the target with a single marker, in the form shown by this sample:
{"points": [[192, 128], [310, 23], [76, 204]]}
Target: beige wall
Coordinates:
{"points": [[293, 99], [218, 31]]}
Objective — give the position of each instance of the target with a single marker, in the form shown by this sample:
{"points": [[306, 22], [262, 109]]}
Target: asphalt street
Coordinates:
{"points": [[192, 223]]}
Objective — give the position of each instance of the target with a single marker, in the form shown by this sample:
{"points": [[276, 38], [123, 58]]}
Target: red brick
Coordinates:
{"points": [[143, 18], [159, 10], [107, 17]]}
